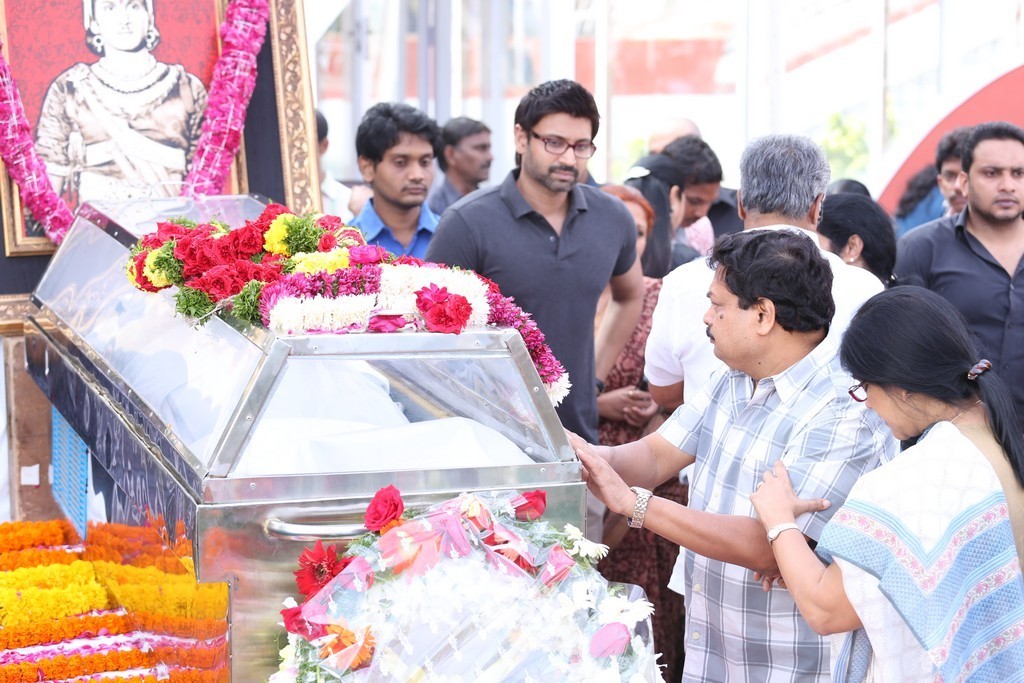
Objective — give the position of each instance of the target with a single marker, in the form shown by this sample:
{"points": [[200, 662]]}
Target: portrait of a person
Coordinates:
{"points": [[126, 125]]}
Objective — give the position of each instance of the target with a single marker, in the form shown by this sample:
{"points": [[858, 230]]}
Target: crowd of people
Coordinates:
{"points": [[750, 362]]}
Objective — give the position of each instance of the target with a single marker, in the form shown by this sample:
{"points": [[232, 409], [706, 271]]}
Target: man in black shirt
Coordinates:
{"points": [[976, 259]]}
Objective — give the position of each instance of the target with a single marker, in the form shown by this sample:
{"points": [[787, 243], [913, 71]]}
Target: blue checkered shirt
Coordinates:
{"points": [[804, 417]]}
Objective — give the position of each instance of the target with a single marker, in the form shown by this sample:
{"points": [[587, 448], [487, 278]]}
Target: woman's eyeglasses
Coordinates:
{"points": [[859, 392]]}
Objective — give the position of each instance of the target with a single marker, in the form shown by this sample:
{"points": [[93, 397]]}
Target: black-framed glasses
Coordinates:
{"points": [[859, 392], [557, 146]]}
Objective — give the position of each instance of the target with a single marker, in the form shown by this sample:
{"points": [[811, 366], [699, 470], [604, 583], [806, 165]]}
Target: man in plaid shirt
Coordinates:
{"points": [[783, 396]]}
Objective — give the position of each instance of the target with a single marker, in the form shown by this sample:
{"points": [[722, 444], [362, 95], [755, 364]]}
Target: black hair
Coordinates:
{"points": [[846, 214], [454, 132], [383, 125], [657, 257], [321, 126], [918, 187], [993, 130], [951, 146], [557, 97], [697, 160], [847, 186], [914, 339], [783, 266]]}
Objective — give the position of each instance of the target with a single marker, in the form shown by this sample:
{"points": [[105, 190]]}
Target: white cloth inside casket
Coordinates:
{"points": [[338, 416]]}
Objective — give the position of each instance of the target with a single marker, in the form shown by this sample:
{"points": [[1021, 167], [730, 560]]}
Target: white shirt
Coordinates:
{"points": [[335, 197], [678, 348]]}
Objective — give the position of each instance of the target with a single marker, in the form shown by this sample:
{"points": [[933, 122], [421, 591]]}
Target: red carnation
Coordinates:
{"points": [[219, 282], [385, 507], [329, 223], [166, 230], [247, 240], [141, 281], [317, 566], [530, 506]]}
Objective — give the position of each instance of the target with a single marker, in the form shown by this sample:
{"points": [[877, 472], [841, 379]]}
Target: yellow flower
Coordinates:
{"points": [[274, 237], [320, 261], [150, 271]]}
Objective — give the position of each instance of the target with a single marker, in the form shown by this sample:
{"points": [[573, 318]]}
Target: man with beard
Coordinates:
{"points": [[554, 244], [465, 161], [976, 258], [396, 145]]}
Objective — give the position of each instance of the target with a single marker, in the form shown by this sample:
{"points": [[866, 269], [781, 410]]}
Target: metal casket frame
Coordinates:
{"points": [[259, 445]]}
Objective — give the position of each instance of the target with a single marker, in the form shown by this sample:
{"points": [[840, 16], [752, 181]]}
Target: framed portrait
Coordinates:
{"points": [[115, 90]]}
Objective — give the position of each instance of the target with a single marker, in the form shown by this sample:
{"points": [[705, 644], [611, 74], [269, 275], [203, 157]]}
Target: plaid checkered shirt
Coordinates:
{"points": [[804, 417]]}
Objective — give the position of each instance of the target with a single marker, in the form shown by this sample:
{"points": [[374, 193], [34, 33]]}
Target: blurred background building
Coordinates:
{"points": [[865, 78]]}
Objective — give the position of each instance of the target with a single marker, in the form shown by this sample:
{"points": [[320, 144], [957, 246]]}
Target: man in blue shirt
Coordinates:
{"points": [[396, 145]]}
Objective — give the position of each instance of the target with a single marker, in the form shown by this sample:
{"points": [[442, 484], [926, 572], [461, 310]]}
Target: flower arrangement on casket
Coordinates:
{"points": [[474, 589], [312, 274]]}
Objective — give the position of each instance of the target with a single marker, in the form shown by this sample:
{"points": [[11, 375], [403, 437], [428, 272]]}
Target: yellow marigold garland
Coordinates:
{"points": [[26, 605]]}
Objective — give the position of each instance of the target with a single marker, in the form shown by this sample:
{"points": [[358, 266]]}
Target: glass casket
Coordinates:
{"points": [[251, 446]]}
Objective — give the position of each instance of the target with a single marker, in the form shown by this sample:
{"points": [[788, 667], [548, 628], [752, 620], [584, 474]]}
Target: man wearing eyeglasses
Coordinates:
{"points": [[554, 244]]}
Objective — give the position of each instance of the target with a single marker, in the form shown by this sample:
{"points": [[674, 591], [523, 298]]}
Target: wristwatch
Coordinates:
{"points": [[643, 496], [774, 532]]}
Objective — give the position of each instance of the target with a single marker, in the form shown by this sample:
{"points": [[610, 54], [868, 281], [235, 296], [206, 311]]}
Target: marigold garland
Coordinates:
{"points": [[31, 557], [26, 605], [23, 535], [51, 631], [72, 666]]}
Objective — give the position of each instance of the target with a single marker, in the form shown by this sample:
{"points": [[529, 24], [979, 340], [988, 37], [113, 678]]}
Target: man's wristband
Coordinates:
{"points": [[600, 385]]}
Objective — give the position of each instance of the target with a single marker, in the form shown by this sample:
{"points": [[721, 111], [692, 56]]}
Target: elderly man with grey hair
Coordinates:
{"points": [[783, 179]]}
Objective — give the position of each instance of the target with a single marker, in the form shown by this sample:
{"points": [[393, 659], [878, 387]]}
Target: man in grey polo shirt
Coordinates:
{"points": [[553, 244]]}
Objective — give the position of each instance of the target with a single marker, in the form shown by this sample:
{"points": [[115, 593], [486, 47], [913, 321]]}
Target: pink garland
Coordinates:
{"points": [[234, 78], [23, 163]]}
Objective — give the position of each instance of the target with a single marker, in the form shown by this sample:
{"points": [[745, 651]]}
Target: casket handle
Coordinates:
{"points": [[294, 531]]}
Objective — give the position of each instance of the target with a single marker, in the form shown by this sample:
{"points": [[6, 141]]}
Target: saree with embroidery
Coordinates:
{"points": [[929, 563]]}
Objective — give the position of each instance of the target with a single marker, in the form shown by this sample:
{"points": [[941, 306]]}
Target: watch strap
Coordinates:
{"points": [[774, 532], [643, 497]]}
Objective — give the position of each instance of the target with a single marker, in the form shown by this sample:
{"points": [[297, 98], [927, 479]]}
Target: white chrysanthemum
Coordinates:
{"points": [[399, 284], [618, 609], [297, 316], [559, 389]]}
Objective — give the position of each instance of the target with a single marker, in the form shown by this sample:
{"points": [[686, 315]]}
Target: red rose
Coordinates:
{"points": [[327, 242], [269, 214], [443, 311], [386, 506], [295, 623], [406, 260], [530, 506]]}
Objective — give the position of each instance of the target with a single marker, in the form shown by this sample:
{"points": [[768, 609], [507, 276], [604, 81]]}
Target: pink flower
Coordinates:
{"points": [[611, 640], [386, 323], [370, 253], [385, 507]]}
